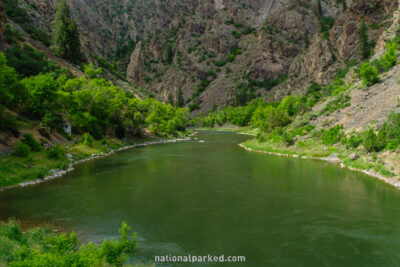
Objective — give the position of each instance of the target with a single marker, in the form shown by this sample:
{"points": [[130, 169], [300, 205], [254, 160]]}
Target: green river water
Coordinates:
{"points": [[215, 198]]}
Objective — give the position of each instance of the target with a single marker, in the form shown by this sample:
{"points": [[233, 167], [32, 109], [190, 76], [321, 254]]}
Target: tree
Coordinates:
{"points": [[364, 44], [371, 142], [180, 102], [66, 35], [42, 90], [319, 6], [369, 74], [171, 99]]}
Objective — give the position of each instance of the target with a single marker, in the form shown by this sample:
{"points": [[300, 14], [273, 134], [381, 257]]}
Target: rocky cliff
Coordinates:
{"points": [[221, 51]]}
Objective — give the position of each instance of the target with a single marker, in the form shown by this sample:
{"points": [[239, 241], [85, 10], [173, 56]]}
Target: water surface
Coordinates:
{"points": [[215, 198]]}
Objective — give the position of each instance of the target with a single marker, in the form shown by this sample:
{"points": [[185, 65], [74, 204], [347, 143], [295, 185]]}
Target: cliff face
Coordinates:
{"points": [[215, 50], [3, 20]]}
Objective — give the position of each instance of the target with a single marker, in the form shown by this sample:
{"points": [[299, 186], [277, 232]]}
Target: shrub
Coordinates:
{"points": [[22, 150], [332, 136], [354, 141], [287, 139], [41, 247], [87, 139], [370, 141], [31, 142], [390, 57], [56, 152], [369, 74], [390, 131]]}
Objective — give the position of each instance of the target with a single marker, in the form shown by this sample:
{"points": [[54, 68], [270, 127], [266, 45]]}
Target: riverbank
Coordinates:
{"points": [[372, 164], [231, 128], [39, 167]]}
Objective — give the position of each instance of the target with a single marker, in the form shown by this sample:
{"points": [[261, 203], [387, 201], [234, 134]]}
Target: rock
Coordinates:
{"points": [[354, 156], [3, 20], [134, 68], [334, 158]]}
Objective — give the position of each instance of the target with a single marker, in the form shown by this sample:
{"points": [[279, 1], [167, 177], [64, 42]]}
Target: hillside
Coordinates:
{"points": [[221, 52]]}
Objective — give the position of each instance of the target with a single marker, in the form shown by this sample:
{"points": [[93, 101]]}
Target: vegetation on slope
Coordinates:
{"points": [[287, 126], [41, 247]]}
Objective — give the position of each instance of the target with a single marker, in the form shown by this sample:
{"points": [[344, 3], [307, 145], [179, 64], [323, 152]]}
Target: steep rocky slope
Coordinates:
{"points": [[221, 51]]}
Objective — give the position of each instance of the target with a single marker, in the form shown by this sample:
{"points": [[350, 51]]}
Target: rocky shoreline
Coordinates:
{"points": [[59, 173], [332, 159]]}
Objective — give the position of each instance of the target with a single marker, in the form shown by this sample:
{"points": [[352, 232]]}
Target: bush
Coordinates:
{"points": [[332, 136], [31, 142], [369, 74], [41, 247], [287, 139], [87, 139], [354, 141], [390, 57], [390, 131], [56, 152], [22, 150], [370, 141]]}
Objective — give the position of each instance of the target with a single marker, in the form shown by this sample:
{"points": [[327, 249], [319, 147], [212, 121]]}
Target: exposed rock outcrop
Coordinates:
{"points": [[3, 20], [210, 49]]}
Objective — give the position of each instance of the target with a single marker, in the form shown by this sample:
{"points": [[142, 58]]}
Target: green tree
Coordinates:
{"points": [[364, 44], [369, 74], [319, 6], [42, 90], [180, 102], [371, 142], [66, 35], [171, 99]]}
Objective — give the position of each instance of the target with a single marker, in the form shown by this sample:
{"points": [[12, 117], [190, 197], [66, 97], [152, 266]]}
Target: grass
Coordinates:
{"points": [[231, 128], [305, 148], [313, 149], [15, 170]]}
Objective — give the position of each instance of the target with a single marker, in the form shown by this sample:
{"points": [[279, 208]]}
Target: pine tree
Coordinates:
{"points": [[66, 35], [319, 6], [180, 102], [364, 45], [171, 99]]}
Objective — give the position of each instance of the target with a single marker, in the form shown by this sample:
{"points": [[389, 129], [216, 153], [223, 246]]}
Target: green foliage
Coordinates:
{"points": [[364, 43], [31, 142], [236, 34], [41, 247], [180, 102], [92, 105], [9, 85], [371, 141], [20, 16], [66, 35], [390, 57], [27, 62], [42, 95], [269, 118], [287, 139], [354, 141], [169, 54], [389, 134], [56, 152], [369, 74], [91, 72], [22, 150], [86, 139], [326, 25], [332, 136]]}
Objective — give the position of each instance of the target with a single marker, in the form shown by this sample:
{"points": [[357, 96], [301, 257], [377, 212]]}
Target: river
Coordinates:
{"points": [[215, 198]]}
